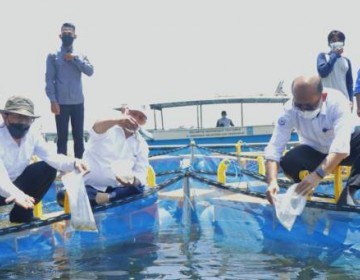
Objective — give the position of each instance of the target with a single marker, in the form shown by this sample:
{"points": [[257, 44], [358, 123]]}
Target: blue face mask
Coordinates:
{"points": [[18, 130], [67, 40]]}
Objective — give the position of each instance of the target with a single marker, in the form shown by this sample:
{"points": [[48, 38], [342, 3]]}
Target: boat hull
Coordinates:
{"points": [[115, 223]]}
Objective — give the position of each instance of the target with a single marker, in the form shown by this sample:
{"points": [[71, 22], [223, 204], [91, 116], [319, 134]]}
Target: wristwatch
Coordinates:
{"points": [[320, 172]]}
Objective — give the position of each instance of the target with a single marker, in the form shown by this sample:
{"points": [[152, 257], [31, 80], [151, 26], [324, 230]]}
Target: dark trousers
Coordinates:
{"points": [[303, 157], [115, 193], [75, 114], [34, 181]]}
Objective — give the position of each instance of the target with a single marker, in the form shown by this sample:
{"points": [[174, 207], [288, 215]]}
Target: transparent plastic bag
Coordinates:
{"points": [[82, 217], [122, 168], [288, 206]]}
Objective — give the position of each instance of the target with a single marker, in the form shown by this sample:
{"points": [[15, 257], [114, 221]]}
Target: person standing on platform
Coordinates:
{"points": [[334, 68], [224, 121], [65, 92]]}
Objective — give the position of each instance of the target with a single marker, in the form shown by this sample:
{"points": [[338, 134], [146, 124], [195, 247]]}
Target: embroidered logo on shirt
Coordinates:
{"points": [[282, 121]]}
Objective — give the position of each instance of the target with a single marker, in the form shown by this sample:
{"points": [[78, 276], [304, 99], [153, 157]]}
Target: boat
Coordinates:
{"points": [[221, 192], [116, 222], [161, 137], [214, 135]]}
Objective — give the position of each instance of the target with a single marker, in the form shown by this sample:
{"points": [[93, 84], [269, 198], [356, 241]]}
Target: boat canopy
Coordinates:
{"points": [[200, 103]]}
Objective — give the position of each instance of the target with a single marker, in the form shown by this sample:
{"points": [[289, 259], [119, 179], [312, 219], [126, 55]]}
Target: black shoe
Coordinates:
{"points": [[60, 196]]}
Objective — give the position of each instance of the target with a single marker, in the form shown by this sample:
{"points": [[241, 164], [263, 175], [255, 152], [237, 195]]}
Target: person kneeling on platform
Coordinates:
{"points": [[117, 156], [327, 135], [21, 182]]}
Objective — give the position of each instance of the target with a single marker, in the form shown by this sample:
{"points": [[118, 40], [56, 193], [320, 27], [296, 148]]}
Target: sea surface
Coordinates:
{"points": [[171, 251]]}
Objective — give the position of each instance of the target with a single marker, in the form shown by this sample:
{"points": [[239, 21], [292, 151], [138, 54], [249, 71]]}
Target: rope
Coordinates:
{"points": [[313, 204], [174, 171], [171, 151], [282, 183], [214, 151], [190, 172]]}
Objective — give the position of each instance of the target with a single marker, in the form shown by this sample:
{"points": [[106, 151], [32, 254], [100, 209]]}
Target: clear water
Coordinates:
{"points": [[173, 251], [170, 252]]}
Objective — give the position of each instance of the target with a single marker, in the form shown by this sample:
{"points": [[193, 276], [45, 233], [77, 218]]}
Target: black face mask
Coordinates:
{"points": [[67, 40], [18, 130]]}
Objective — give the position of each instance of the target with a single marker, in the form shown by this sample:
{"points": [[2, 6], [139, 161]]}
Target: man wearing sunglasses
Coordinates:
{"points": [[326, 129]]}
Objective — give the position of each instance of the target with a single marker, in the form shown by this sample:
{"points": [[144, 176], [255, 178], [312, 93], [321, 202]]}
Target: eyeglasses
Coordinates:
{"points": [[306, 106]]}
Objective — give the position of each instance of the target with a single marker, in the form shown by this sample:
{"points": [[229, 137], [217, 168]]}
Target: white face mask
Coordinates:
{"points": [[336, 46], [309, 115]]}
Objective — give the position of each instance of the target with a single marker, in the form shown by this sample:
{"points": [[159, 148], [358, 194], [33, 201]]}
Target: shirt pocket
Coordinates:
{"points": [[327, 134]]}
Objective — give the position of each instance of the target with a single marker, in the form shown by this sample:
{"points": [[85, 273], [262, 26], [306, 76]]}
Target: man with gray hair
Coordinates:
{"points": [[327, 135], [23, 182]]}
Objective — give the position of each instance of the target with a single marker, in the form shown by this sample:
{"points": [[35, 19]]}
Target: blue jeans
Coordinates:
{"points": [[75, 114], [115, 193]]}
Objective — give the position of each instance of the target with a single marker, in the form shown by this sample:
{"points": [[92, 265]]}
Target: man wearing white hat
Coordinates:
{"points": [[117, 155], [21, 182]]}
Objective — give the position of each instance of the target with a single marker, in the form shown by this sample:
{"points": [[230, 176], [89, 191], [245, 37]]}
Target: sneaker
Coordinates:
{"points": [[102, 198]]}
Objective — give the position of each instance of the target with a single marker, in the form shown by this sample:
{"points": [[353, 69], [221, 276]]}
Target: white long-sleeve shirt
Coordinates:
{"points": [[103, 150], [15, 158], [329, 132]]}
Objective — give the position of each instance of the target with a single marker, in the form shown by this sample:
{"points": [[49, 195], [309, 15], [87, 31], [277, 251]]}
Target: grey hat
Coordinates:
{"points": [[19, 105]]}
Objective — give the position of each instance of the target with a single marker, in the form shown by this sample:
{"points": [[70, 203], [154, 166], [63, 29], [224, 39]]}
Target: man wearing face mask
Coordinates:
{"points": [[23, 182], [64, 90], [117, 155], [327, 135], [334, 68]]}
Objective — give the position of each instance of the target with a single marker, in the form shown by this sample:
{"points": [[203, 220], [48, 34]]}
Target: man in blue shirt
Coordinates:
{"points": [[64, 89], [224, 121]]}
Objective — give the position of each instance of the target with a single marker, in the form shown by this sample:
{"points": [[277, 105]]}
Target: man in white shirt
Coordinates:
{"points": [[323, 121], [118, 156], [334, 68], [23, 182]]}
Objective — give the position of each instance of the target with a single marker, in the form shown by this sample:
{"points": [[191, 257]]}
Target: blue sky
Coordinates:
{"points": [[161, 51]]}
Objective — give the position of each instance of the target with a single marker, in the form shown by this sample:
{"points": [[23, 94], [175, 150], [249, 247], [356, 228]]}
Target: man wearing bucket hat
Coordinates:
{"points": [[117, 155], [21, 182]]}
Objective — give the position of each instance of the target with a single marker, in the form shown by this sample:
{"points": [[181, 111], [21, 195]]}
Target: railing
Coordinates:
{"points": [[337, 176], [52, 136]]}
